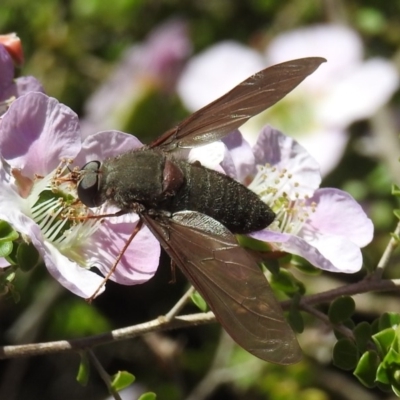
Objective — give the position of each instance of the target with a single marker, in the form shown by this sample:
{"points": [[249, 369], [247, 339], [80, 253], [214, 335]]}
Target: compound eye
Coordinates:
{"points": [[89, 185]]}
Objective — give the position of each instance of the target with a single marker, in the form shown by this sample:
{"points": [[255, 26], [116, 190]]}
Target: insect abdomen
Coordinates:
{"points": [[221, 198]]}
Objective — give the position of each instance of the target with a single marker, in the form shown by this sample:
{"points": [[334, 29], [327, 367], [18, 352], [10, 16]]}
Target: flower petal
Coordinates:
{"points": [[326, 145], [341, 46], [26, 84], [140, 260], [278, 150], [337, 213], [241, 155], [36, 125], [78, 280], [102, 145], [215, 71], [359, 94], [329, 253], [210, 155]]}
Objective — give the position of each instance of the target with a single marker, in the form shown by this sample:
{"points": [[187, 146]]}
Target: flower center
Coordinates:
{"points": [[62, 218], [276, 188]]}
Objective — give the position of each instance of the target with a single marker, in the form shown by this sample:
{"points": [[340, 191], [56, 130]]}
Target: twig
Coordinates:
{"points": [[103, 375], [324, 318], [393, 243], [179, 305]]}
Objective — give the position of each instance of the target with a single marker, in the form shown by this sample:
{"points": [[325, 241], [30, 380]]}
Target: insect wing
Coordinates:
{"points": [[249, 98], [230, 281]]}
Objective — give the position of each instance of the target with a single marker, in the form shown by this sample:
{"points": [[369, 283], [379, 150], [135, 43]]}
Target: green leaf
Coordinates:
{"points": [[294, 317], [287, 283], [296, 320], [6, 248], [27, 256], [345, 354], [367, 368], [148, 396], [12, 257], [349, 323], [7, 233], [304, 266], [395, 190], [396, 212], [199, 301], [341, 309], [389, 320], [253, 244], [383, 340], [362, 334], [84, 370], [121, 380], [272, 266]]}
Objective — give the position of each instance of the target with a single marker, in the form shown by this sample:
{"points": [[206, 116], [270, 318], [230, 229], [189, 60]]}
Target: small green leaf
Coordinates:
{"points": [[296, 320], [121, 380], [389, 320], [12, 257], [84, 370], [199, 301], [341, 309], [6, 248], [367, 368], [294, 317], [304, 266], [375, 326], [395, 190], [349, 323], [27, 256], [396, 212], [345, 354], [272, 266], [287, 283], [7, 233], [253, 244], [148, 396], [362, 334], [383, 340]]}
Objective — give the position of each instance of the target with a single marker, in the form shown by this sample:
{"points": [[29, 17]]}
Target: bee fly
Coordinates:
{"points": [[195, 212]]}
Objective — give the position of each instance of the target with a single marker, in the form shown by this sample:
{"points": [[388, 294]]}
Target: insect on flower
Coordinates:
{"points": [[195, 212]]}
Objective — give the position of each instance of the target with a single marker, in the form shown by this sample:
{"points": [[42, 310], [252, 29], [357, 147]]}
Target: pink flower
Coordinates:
{"points": [[325, 226], [318, 112], [153, 64], [38, 138]]}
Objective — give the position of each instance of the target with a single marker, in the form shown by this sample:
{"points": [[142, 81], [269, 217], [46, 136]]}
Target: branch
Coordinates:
{"points": [[185, 321]]}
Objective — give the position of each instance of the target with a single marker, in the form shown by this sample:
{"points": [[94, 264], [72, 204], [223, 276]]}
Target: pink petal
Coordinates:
{"points": [[139, 262], [215, 71], [359, 94], [75, 278], [242, 156], [285, 153], [338, 214], [37, 132], [341, 46], [102, 145], [326, 145]]}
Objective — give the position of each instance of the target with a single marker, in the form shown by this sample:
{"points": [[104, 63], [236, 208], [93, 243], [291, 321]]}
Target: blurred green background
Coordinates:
{"points": [[72, 47]]}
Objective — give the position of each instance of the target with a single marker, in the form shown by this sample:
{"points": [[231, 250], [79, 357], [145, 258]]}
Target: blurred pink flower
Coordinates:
{"points": [[317, 113], [157, 62]]}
